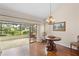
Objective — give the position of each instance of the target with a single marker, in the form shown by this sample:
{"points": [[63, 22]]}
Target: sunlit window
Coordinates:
{"points": [[12, 29]]}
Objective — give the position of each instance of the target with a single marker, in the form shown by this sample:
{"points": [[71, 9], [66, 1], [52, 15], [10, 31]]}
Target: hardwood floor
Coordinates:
{"points": [[39, 49]]}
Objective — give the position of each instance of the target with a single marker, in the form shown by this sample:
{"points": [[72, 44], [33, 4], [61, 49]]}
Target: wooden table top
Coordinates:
{"points": [[54, 38]]}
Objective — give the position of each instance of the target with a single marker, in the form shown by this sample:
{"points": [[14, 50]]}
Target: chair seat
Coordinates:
{"points": [[75, 44]]}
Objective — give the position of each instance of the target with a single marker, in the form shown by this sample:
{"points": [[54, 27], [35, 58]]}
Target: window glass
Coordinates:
{"points": [[25, 30], [0, 28], [11, 29]]}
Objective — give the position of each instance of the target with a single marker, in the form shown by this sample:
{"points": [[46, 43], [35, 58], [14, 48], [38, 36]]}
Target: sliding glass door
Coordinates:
{"points": [[15, 29], [33, 32]]}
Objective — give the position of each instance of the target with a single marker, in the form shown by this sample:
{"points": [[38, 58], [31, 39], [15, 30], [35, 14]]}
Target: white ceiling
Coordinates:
{"points": [[38, 10]]}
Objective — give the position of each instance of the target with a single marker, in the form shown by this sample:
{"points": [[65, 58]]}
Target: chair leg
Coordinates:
{"points": [[71, 46], [78, 48]]}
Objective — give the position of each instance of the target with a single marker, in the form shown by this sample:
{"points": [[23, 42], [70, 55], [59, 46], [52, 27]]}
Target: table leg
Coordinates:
{"points": [[51, 46]]}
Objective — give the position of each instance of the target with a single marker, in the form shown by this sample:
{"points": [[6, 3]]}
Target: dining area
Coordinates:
{"points": [[51, 45]]}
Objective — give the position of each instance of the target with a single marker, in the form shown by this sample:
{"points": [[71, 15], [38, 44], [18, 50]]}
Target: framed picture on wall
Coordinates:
{"points": [[59, 26]]}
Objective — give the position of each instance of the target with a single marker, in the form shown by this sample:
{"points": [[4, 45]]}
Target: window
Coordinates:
{"points": [[12, 29], [0, 28]]}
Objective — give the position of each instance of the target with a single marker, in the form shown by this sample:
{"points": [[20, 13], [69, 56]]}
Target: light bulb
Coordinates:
{"points": [[50, 20]]}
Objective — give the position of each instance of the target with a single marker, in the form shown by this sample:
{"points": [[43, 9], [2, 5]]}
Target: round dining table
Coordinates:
{"points": [[51, 46]]}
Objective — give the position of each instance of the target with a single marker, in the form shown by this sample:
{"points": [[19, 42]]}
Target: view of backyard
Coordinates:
{"points": [[13, 29]]}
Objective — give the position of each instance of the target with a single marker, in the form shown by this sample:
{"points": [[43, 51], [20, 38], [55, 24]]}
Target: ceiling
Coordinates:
{"points": [[38, 10]]}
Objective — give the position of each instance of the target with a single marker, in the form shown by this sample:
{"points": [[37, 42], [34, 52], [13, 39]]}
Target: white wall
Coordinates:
{"points": [[70, 14]]}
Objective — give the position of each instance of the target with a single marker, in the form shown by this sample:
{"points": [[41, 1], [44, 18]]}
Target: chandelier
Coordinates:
{"points": [[50, 20]]}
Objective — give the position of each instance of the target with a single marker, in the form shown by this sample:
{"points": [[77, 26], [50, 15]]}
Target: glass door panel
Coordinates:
{"points": [[33, 33]]}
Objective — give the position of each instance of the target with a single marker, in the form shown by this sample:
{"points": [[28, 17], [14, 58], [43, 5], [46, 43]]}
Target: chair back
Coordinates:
{"points": [[78, 38]]}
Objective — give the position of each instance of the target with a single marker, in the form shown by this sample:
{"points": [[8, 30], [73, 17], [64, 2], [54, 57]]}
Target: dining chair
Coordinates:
{"points": [[76, 44]]}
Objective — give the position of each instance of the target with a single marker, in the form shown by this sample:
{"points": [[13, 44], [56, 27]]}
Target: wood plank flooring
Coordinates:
{"points": [[39, 49]]}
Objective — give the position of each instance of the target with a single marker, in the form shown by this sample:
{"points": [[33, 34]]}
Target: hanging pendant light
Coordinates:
{"points": [[50, 20]]}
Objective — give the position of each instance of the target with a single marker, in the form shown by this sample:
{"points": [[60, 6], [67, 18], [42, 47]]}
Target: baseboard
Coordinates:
{"points": [[66, 46]]}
